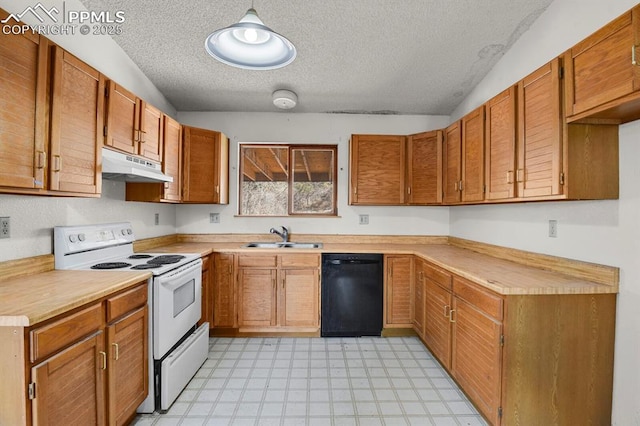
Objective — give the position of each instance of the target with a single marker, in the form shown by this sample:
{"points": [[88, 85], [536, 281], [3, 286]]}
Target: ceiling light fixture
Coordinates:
{"points": [[285, 99], [250, 44]]}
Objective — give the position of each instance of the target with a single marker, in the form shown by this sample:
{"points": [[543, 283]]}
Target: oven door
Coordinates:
{"points": [[177, 305]]}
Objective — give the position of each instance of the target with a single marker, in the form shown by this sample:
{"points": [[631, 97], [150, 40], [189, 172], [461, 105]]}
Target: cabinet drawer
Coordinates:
{"points": [[481, 299], [267, 261], [295, 260], [437, 275], [65, 331], [126, 302]]}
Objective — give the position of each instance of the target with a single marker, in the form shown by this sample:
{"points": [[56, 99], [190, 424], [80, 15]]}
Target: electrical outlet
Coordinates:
{"points": [[214, 217], [5, 230], [553, 228], [364, 219], [156, 219]]}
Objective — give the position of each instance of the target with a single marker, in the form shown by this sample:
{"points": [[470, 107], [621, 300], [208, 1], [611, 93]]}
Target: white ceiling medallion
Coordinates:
{"points": [[250, 44], [285, 99]]}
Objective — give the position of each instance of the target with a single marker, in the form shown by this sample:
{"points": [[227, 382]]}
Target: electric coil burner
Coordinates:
{"points": [[177, 347]]}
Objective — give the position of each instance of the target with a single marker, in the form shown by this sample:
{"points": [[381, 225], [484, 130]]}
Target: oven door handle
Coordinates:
{"points": [[195, 266]]}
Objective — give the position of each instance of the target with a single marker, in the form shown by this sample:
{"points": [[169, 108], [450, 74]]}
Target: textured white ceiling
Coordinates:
{"points": [[357, 56]]}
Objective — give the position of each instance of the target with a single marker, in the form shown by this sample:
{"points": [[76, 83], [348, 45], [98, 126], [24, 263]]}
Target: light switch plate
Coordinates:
{"points": [[214, 217]]}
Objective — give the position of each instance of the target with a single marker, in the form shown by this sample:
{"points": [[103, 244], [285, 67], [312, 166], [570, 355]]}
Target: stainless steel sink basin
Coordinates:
{"points": [[285, 245]]}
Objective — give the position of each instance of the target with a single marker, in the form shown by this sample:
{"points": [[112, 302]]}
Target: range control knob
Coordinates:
{"points": [[73, 238], [123, 231], [129, 231], [82, 237]]}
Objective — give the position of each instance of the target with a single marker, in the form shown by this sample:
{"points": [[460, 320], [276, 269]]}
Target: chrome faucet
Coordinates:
{"points": [[284, 234]]}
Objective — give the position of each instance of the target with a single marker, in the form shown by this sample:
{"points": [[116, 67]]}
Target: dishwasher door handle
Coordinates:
{"points": [[352, 262]]}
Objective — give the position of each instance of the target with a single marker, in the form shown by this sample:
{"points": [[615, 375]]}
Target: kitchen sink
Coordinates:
{"points": [[285, 245]]}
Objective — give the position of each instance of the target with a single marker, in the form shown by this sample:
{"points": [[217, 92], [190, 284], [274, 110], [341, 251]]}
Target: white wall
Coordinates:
{"points": [[312, 128], [604, 232]]}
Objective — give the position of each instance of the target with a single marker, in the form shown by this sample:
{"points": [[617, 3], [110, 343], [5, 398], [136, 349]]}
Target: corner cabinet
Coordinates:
{"points": [[279, 293], [205, 176], [88, 366]]}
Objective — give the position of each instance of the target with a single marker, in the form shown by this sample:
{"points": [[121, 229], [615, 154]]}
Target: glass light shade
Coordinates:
{"points": [[250, 44]]}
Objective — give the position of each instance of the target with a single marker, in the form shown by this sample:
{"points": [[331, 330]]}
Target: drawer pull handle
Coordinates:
{"points": [[116, 351], [104, 360], [451, 315]]}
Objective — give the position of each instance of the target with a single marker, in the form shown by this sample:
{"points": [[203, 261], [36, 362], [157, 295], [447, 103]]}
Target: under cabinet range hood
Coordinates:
{"points": [[124, 167]]}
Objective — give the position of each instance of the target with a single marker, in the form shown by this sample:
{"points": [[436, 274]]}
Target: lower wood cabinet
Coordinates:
{"points": [[398, 291], [207, 292], [279, 292], [224, 299], [418, 297], [522, 359], [85, 367]]}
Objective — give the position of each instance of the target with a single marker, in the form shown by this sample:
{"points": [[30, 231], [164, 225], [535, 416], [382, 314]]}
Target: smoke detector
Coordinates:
{"points": [[285, 99]]}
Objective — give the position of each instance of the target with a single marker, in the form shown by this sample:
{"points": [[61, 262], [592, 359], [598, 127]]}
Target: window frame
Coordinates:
{"points": [[290, 179]]}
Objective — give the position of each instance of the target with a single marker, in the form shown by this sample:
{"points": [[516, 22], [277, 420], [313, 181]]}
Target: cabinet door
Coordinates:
{"points": [[452, 163], [257, 297], [399, 286], [224, 312], [540, 132], [500, 136], [123, 119], [207, 292], [151, 128], [437, 327], [377, 170], [476, 362], [425, 168], [127, 341], [23, 109], [300, 298], [600, 69], [418, 298], [172, 158], [76, 125], [70, 385], [203, 165], [472, 184]]}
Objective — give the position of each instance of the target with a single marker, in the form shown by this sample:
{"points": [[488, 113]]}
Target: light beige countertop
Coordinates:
{"points": [[30, 299], [502, 276]]}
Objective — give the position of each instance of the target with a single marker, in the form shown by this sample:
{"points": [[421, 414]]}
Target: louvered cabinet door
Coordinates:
{"points": [[152, 128], [76, 126], [476, 361], [172, 158], [424, 173], [127, 365], [123, 119], [300, 298], [69, 386], [419, 298], [452, 164], [540, 133], [500, 138], [23, 109], [437, 327], [257, 297], [399, 287], [377, 170], [224, 311], [472, 181], [205, 166]]}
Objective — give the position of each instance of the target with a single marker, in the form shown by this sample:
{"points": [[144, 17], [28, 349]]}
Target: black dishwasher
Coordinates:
{"points": [[352, 294]]}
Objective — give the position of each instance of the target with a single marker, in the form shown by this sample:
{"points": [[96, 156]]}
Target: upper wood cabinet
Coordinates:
{"points": [[396, 170], [603, 73], [463, 167], [76, 126], [500, 137], [424, 171], [23, 110], [133, 126], [205, 166], [170, 192], [377, 170]]}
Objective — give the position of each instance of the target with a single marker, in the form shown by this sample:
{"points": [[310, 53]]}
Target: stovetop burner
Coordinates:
{"points": [[147, 266], [140, 256], [111, 265], [166, 259]]}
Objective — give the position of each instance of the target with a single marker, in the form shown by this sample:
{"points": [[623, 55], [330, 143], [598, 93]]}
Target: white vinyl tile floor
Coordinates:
{"points": [[364, 381]]}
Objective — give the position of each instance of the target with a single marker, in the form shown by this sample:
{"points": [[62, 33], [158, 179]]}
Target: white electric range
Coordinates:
{"points": [[177, 347]]}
